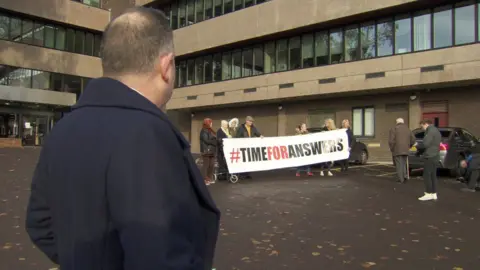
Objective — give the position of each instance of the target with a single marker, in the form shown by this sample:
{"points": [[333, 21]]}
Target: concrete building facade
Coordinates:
{"points": [[283, 62]]}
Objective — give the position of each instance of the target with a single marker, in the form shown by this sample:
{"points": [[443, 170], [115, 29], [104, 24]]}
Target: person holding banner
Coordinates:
{"points": [[302, 130], [222, 133], [233, 127], [248, 130], [346, 125], [329, 125], [208, 148]]}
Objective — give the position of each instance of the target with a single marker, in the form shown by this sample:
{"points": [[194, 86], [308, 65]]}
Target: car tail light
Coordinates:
{"points": [[443, 147]]}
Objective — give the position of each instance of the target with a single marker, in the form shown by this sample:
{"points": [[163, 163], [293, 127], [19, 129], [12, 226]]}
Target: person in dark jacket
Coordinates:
{"points": [[222, 133], [302, 130], [208, 148], [248, 129], [116, 187], [344, 163], [431, 155], [400, 140], [471, 165]]}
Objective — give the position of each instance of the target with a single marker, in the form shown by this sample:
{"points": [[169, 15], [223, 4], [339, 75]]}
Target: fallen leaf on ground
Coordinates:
{"points": [[21, 259], [415, 241], [400, 259], [384, 258], [383, 229], [224, 234], [457, 250], [319, 247], [439, 257], [368, 264], [255, 242], [266, 241], [457, 268], [447, 248], [3, 214], [393, 245], [404, 251], [274, 252], [245, 258], [340, 249], [316, 254], [268, 221]]}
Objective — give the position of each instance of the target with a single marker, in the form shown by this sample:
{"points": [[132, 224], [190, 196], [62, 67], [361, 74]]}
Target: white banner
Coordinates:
{"points": [[262, 154]]}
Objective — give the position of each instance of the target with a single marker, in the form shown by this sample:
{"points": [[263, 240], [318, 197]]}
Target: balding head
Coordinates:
{"points": [[133, 42]]}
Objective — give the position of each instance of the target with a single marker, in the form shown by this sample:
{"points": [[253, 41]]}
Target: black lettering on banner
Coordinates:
{"points": [[316, 148], [256, 154], [244, 157], [264, 154], [340, 145], [291, 152], [306, 149], [249, 155], [299, 150]]}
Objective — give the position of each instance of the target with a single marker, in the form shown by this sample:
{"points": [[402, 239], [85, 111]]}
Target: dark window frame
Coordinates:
{"points": [[363, 108]]}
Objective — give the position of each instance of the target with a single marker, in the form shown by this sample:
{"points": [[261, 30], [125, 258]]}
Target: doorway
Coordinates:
{"points": [[437, 112], [439, 119]]}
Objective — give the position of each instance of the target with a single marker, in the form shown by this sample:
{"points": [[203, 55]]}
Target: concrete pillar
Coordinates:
{"points": [[282, 121], [414, 111]]}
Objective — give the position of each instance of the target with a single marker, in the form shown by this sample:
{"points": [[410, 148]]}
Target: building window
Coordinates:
{"points": [[72, 84], [316, 118], [70, 40], [93, 3], [403, 35], [49, 36], [227, 6], [363, 122], [464, 23], [422, 31], [190, 12], [208, 9], [294, 53], [321, 49], [96, 45], [27, 31], [199, 11], [56, 81], [182, 81], [307, 51], [174, 14], [199, 70], [238, 4], [247, 62], [442, 27], [41, 80], [208, 68], [367, 41], [258, 60], [385, 38], [38, 34], [182, 9], [15, 29], [336, 46], [351, 44], [217, 67], [79, 41], [236, 64], [248, 3], [218, 9], [270, 57], [20, 77], [60, 38], [89, 40], [190, 72], [4, 22], [227, 66], [282, 55], [177, 77]]}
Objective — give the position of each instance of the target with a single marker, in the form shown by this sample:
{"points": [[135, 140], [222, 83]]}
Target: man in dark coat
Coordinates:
{"points": [[400, 140], [116, 186], [248, 129], [471, 165], [431, 154]]}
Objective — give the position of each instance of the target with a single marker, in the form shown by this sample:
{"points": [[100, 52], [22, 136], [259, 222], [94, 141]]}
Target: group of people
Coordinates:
{"points": [[211, 145], [401, 140], [326, 166]]}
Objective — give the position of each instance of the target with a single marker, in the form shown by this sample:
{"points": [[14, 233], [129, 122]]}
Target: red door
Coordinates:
{"points": [[439, 119]]}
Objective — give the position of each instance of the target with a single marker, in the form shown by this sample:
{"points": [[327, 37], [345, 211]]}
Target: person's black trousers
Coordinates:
{"points": [[430, 174], [344, 164], [472, 176], [401, 167]]}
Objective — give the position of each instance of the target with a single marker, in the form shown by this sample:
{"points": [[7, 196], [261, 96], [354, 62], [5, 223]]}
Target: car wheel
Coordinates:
{"points": [[363, 157]]}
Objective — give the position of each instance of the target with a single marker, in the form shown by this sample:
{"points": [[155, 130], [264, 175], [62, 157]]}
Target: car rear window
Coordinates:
{"points": [[445, 134]]}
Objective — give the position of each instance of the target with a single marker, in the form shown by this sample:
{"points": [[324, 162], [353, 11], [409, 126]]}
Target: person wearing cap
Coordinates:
{"points": [[248, 130]]}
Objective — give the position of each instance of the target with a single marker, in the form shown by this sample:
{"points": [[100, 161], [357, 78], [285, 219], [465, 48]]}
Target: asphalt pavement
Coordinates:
{"points": [[361, 219]]}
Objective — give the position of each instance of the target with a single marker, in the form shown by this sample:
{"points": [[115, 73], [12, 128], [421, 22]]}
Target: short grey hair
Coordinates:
{"points": [[132, 42], [400, 121]]}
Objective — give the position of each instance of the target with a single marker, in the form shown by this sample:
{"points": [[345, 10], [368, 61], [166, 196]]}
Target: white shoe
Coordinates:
{"points": [[330, 174], [321, 173], [434, 195], [427, 197]]}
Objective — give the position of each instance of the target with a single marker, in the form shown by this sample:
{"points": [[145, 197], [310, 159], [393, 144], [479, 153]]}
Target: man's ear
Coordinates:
{"points": [[166, 67]]}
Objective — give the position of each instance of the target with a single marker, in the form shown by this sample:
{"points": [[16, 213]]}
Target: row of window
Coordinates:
{"points": [[429, 29], [41, 33], [187, 12], [29, 78], [92, 3], [363, 120]]}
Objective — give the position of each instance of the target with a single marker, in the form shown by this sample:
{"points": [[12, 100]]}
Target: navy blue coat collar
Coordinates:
{"points": [[106, 92]]}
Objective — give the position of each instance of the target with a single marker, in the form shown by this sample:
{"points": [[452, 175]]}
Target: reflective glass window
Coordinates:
{"points": [[49, 36], [403, 35], [351, 44], [236, 64], [247, 62], [464, 23], [442, 27], [27, 31], [97, 40], [307, 50], [294, 53], [4, 22], [70, 40], [217, 67], [208, 9], [60, 38], [79, 41], [72, 84], [248, 3], [218, 9], [385, 34], [367, 41], [89, 41], [21, 77], [269, 57], [321, 48], [190, 72], [182, 81], [258, 60], [15, 29], [38, 34], [41, 80], [422, 31], [199, 10], [282, 55], [336, 46], [182, 13], [199, 70], [56, 82], [227, 6], [238, 4], [190, 12], [174, 15], [208, 68], [227, 66]]}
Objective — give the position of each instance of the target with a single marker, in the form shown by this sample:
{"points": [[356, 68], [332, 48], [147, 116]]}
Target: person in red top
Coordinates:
{"points": [[208, 149]]}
